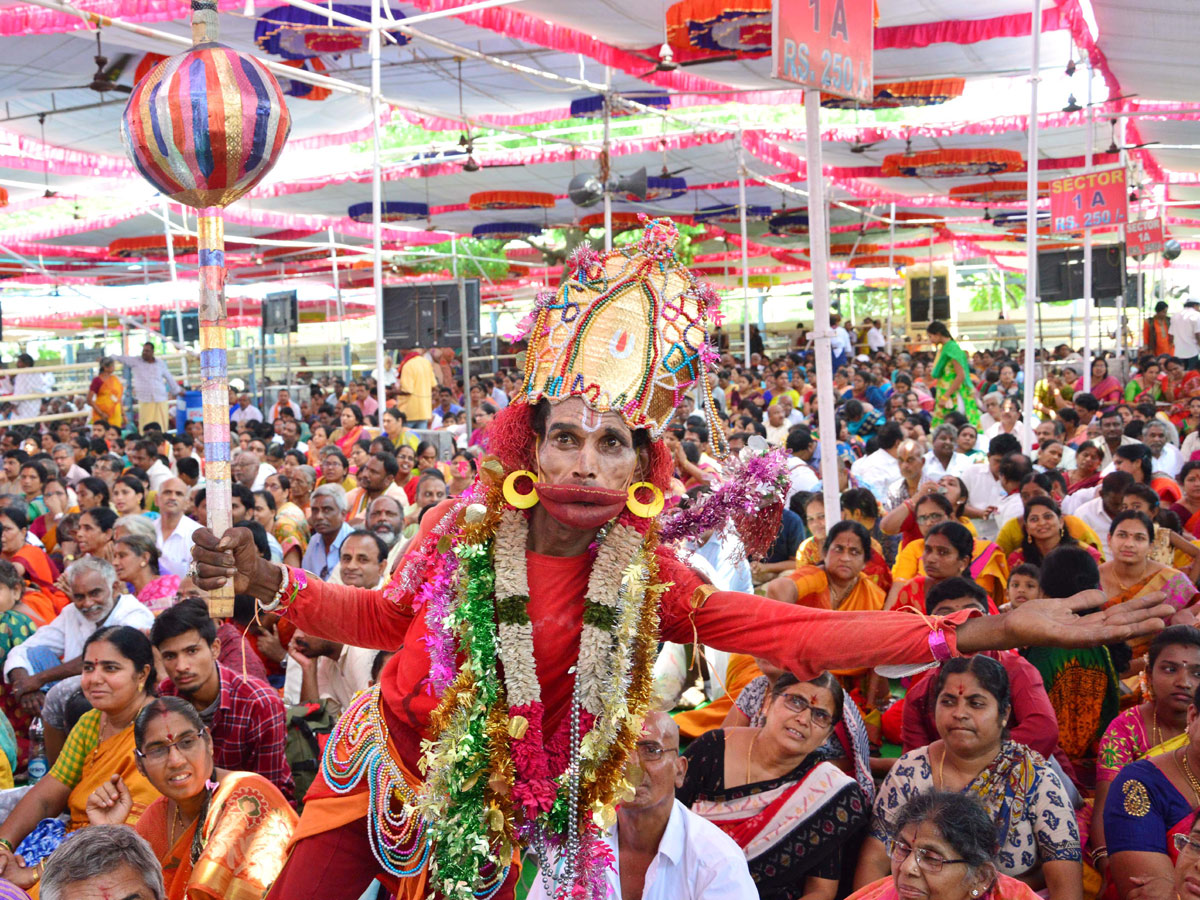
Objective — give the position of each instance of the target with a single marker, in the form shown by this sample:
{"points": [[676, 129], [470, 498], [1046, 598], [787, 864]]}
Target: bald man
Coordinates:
{"points": [[173, 530], [663, 850]]}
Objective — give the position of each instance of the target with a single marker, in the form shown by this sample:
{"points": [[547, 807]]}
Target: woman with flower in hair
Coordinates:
{"points": [[528, 613], [1155, 726]]}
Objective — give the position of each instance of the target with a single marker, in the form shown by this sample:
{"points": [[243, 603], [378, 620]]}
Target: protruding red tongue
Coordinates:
{"points": [[581, 506]]}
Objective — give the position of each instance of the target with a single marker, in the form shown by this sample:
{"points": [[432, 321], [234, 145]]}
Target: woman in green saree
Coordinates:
{"points": [[952, 372]]}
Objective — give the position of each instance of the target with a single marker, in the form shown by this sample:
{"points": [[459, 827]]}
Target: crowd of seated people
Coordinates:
{"points": [[1065, 773]]}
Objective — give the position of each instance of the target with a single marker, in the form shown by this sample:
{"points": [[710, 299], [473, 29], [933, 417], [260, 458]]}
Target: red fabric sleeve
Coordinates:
{"points": [[351, 615], [804, 641], [918, 729], [357, 616]]}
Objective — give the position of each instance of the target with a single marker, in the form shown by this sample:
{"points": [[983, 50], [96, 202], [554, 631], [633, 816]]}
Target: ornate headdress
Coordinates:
{"points": [[627, 331]]}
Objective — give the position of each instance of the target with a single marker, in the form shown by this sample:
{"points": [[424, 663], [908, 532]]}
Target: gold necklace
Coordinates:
{"points": [[750, 754], [1122, 585], [1155, 733], [1187, 770], [941, 774], [835, 599]]}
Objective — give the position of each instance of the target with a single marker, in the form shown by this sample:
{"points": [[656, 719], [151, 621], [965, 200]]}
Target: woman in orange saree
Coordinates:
{"points": [[351, 430], [217, 834], [118, 665], [935, 829], [839, 584], [1131, 573], [43, 598], [948, 552], [104, 394]]}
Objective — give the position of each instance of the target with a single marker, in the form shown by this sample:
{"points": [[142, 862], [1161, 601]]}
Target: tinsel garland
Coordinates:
{"points": [[493, 776], [751, 495]]}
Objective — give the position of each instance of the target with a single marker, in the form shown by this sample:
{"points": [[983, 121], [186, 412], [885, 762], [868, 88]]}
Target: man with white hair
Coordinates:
{"points": [[329, 530], [54, 651], [103, 861], [1163, 456], [68, 470]]}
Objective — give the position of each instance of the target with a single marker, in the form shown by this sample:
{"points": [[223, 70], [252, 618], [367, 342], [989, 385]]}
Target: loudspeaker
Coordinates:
{"points": [[281, 313], [924, 308], [427, 315], [1060, 275], [191, 325]]}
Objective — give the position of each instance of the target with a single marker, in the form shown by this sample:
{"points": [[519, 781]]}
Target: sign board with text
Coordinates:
{"points": [[1144, 237], [1088, 200], [825, 45]]}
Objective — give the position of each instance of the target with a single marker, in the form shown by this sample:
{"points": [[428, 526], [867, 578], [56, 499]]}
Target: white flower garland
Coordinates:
{"points": [[515, 646], [618, 581]]}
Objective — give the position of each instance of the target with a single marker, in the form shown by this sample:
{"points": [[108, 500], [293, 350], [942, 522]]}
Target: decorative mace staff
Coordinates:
{"points": [[204, 127]]}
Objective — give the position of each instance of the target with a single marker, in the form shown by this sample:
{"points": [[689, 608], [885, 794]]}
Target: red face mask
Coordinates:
{"points": [[580, 506]]}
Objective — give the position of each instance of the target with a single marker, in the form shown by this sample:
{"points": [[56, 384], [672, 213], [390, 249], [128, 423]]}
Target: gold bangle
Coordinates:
{"points": [[7, 843]]}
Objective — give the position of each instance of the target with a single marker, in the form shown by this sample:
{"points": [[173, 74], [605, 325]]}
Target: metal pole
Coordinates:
{"points": [[1031, 195], [337, 287], [606, 163], [892, 266], [175, 284], [466, 343], [741, 154], [1087, 250], [822, 332], [377, 204]]}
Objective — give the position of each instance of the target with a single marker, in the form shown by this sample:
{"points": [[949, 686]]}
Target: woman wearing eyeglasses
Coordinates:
{"points": [[944, 849], [1032, 817], [767, 789], [118, 680], [1150, 804], [1186, 881], [216, 833]]}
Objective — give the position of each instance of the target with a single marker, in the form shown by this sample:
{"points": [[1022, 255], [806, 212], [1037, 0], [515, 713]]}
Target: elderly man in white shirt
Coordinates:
{"points": [[661, 849], [877, 470], [173, 530], [249, 471], [1163, 456], [245, 411], [54, 651]]}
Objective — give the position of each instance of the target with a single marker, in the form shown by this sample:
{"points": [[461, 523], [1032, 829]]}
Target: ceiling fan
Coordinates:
{"points": [[45, 161], [667, 62], [104, 79], [861, 146]]}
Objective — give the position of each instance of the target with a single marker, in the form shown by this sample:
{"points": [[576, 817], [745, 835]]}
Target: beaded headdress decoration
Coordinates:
{"points": [[627, 331]]}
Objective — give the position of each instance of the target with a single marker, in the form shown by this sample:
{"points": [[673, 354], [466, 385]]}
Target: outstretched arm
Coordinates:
{"points": [[808, 641], [336, 612]]}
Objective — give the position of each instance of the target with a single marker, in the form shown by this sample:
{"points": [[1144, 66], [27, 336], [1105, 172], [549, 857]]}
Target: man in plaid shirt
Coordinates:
{"points": [[244, 715]]}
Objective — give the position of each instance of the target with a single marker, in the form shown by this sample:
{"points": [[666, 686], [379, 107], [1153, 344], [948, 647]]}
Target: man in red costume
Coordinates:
{"points": [[557, 598]]}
